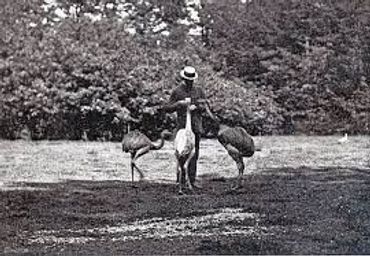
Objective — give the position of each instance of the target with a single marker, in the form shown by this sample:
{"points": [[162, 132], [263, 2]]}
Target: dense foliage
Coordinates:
{"points": [[311, 56], [274, 67]]}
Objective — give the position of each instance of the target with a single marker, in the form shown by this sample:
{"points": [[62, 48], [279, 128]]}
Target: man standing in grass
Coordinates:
{"points": [[177, 103]]}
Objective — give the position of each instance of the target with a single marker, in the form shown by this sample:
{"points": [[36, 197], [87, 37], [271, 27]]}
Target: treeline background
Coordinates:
{"points": [[273, 67]]}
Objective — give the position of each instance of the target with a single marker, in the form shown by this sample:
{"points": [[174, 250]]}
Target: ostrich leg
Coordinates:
{"points": [[134, 157], [181, 168], [132, 167], [238, 158], [240, 164], [180, 171], [186, 167]]}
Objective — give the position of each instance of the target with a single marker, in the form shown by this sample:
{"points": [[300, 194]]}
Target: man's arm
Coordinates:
{"points": [[201, 101], [202, 105], [174, 103]]}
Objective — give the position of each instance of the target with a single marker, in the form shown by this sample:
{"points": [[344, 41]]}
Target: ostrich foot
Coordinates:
{"points": [[189, 185], [141, 177]]}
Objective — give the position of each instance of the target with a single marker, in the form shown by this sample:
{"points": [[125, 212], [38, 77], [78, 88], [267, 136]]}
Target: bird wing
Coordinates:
{"points": [[134, 141], [238, 138], [342, 140], [184, 142]]}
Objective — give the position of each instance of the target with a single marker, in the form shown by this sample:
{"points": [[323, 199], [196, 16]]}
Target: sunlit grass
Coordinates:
{"points": [[53, 161]]}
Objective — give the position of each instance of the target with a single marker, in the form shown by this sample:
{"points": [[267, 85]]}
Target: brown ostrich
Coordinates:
{"points": [[236, 141], [138, 144]]}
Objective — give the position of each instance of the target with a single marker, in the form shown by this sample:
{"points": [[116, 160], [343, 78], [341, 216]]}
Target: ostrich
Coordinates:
{"points": [[236, 141], [138, 144], [184, 149]]}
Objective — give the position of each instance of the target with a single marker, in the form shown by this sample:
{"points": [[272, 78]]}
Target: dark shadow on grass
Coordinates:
{"points": [[302, 210]]}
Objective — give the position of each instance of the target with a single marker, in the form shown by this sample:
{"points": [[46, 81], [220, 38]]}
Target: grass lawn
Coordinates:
{"points": [[301, 195]]}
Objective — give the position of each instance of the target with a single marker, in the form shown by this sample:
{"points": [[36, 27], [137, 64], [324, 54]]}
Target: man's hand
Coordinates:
{"points": [[183, 103], [193, 107]]}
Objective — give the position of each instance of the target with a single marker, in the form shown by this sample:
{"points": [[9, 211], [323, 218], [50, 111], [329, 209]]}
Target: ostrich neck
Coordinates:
{"points": [[222, 128], [188, 120], [157, 144]]}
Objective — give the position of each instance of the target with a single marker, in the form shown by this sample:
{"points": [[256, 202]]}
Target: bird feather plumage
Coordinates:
{"points": [[344, 139], [184, 149], [134, 140], [238, 138], [138, 144], [184, 142]]}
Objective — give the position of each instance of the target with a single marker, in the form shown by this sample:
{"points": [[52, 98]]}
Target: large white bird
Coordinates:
{"points": [[184, 149], [344, 139]]}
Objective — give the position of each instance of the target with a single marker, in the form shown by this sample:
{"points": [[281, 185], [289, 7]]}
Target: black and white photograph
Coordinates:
{"points": [[184, 127]]}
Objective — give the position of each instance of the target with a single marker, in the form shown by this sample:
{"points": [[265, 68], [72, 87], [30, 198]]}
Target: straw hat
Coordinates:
{"points": [[188, 73]]}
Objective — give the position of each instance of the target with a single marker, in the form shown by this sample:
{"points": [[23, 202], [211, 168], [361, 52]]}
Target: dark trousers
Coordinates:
{"points": [[194, 160]]}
